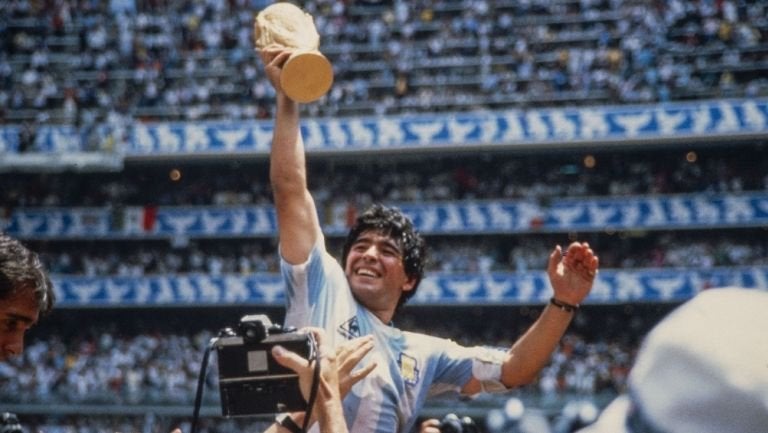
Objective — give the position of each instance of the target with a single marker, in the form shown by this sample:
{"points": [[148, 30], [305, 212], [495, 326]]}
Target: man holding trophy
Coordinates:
{"points": [[382, 265]]}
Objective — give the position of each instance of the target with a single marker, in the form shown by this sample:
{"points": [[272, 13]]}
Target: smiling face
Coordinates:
{"points": [[376, 274], [17, 314]]}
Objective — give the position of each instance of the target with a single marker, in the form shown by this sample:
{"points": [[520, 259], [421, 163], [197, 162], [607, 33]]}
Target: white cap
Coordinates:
{"points": [[702, 369]]}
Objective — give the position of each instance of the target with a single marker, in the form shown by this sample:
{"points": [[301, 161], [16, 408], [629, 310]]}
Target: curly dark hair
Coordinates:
{"points": [[21, 269], [391, 222]]}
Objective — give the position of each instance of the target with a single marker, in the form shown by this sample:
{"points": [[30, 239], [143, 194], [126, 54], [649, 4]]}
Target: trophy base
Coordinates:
{"points": [[306, 76]]}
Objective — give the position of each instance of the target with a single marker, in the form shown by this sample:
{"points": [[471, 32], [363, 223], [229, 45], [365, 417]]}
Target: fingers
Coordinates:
{"points": [[289, 359], [274, 57], [358, 375], [554, 260], [580, 258], [320, 340], [594, 266], [268, 53], [280, 59], [353, 351], [348, 357], [430, 426]]}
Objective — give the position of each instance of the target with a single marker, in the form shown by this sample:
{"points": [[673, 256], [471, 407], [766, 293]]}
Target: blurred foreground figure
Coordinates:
{"points": [[26, 293], [703, 369]]}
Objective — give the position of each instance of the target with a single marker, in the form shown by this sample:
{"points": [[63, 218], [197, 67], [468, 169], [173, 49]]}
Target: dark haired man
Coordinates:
{"points": [[25, 294], [383, 263]]}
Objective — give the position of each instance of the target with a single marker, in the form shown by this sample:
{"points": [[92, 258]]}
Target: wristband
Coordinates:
{"points": [[568, 308], [286, 421]]}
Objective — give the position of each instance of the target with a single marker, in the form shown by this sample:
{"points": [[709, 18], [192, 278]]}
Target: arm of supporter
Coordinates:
{"points": [[571, 276], [337, 376], [298, 224]]}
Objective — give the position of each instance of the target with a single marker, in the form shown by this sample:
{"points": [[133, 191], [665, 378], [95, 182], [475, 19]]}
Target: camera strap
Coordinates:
{"points": [[315, 382], [201, 383]]}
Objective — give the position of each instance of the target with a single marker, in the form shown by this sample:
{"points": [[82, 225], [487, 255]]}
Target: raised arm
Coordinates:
{"points": [[571, 275], [297, 220]]}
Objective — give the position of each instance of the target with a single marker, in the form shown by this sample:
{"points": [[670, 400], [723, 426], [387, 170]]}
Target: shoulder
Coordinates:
{"points": [[429, 342]]}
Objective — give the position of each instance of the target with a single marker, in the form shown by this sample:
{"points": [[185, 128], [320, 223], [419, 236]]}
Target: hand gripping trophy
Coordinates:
{"points": [[307, 74]]}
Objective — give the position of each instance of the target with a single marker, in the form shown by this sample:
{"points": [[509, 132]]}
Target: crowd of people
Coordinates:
{"points": [[140, 363], [447, 255], [521, 176], [539, 176], [91, 62]]}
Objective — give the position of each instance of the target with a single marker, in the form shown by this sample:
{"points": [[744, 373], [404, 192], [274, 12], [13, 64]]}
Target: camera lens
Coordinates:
{"points": [[451, 424], [9, 423]]}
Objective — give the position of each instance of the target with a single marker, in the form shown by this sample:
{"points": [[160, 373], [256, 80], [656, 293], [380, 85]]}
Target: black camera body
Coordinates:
{"points": [[9, 423], [451, 423], [251, 382]]}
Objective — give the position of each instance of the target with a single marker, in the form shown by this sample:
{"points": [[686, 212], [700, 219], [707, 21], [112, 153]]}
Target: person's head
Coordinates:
{"points": [[702, 369], [383, 258], [26, 293]]}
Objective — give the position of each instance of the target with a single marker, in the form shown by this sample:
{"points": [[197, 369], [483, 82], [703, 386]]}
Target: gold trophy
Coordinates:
{"points": [[307, 74]]}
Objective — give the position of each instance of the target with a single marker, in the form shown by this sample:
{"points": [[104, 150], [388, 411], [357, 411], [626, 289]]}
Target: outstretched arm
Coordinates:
{"points": [[297, 220], [571, 275]]}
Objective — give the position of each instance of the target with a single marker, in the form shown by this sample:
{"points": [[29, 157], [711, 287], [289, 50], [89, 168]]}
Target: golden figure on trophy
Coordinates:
{"points": [[307, 74]]}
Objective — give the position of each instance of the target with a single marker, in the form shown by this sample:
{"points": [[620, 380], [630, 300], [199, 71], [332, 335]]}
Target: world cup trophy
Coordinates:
{"points": [[307, 74]]}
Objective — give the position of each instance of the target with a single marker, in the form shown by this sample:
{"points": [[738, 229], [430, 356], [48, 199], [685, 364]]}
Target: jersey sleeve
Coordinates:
{"points": [[457, 364], [316, 291]]}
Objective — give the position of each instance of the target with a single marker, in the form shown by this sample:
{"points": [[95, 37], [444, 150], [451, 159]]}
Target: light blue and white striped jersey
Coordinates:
{"points": [[410, 366]]}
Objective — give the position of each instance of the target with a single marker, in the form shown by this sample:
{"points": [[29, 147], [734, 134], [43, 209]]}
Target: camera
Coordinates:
{"points": [[251, 382], [9, 423], [451, 423]]}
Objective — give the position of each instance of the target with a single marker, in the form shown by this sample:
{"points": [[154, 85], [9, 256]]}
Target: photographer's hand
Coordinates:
{"points": [[333, 364], [348, 355], [431, 425]]}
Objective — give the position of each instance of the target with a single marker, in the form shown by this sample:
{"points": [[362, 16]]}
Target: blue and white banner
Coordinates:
{"points": [[177, 290], [611, 286], [625, 213], [674, 211], [59, 223], [565, 126], [58, 139], [501, 128], [9, 139]]}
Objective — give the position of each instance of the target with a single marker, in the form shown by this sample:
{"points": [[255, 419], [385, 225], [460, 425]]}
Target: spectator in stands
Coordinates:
{"points": [[25, 294], [702, 369], [383, 262]]}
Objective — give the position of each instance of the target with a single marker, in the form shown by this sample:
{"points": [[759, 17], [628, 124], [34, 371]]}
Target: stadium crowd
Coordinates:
{"points": [[104, 364], [450, 255], [95, 64], [724, 168], [538, 176], [91, 62]]}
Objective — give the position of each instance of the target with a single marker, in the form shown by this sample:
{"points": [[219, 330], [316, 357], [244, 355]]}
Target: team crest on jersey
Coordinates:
{"points": [[350, 329], [409, 368]]}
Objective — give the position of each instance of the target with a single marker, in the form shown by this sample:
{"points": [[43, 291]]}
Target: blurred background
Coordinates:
{"points": [[134, 143]]}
